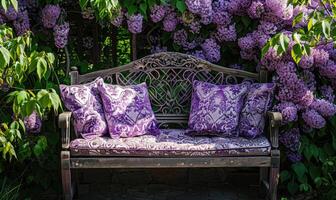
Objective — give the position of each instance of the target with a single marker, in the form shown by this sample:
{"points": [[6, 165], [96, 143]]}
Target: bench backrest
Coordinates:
{"points": [[169, 77]]}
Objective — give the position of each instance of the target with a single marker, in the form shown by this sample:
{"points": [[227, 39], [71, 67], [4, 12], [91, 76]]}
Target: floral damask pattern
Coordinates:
{"points": [[215, 108], [86, 106], [252, 117], [170, 143], [127, 110]]}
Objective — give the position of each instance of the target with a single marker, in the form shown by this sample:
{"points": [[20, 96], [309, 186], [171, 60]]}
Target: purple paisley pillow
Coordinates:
{"points": [[257, 102], [215, 108], [128, 110], [86, 106]]}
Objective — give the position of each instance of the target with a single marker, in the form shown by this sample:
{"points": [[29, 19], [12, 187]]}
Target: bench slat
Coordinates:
{"points": [[201, 162]]}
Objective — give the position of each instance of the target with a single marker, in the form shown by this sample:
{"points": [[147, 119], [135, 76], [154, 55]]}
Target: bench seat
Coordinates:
{"points": [[170, 143]]}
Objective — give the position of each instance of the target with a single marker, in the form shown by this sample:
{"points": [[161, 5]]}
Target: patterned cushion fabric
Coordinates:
{"points": [[257, 102], [170, 143], [215, 108], [128, 111], [85, 103]]}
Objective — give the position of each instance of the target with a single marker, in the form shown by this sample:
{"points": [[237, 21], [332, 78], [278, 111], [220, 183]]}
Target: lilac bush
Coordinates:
{"points": [[50, 14], [233, 33]]}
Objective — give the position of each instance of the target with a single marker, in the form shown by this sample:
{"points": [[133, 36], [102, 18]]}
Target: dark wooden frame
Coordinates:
{"points": [[269, 165]]}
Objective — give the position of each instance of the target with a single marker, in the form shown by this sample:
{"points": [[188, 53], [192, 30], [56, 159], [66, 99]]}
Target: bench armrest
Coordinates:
{"points": [[64, 120], [275, 120]]}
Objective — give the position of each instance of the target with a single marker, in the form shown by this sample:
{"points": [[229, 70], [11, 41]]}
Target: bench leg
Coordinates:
{"points": [[263, 181], [66, 175], [274, 175]]}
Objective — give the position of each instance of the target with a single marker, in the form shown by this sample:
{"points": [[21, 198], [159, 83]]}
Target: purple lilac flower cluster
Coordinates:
{"points": [[33, 123], [291, 140], [134, 23], [50, 14], [158, 49], [118, 20], [288, 110], [158, 12], [211, 50], [19, 18], [21, 24], [327, 93], [61, 33]]}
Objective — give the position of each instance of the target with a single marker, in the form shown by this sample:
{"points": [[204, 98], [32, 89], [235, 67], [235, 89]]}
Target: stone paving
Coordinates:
{"points": [[168, 184]]}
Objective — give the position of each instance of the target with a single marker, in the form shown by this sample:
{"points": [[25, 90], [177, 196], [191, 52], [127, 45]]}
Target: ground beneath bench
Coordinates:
{"points": [[168, 184]]}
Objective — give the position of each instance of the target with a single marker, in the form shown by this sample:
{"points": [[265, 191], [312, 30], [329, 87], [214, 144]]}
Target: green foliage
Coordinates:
{"points": [[6, 3], [26, 72], [105, 9], [319, 26], [317, 170], [9, 191]]}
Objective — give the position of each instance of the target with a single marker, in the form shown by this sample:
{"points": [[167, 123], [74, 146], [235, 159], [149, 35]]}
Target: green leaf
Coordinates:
{"points": [[297, 53], [304, 187], [21, 97], [299, 169], [30, 107], [325, 28], [181, 6], [143, 9], [14, 4], [318, 181], [45, 101], [55, 101], [41, 94], [333, 133], [292, 188], [6, 149], [310, 24], [51, 58], [37, 150], [83, 3], [307, 153], [298, 18], [314, 172], [297, 37], [284, 41], [265, 49], [22, 125], [4, 57], [132, 9], [4, 4], [42, 142], [284, 176], [15, 125], [151, 3], [41, 67]]}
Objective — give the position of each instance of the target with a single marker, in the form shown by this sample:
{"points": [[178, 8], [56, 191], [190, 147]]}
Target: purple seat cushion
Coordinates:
{"points": [[128, 111], [215, 108], [170, 143], [257, 103], [86, 106]]}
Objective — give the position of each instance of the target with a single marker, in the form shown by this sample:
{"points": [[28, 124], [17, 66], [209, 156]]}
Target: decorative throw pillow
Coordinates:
{"points": [[215, 108], [257, 102], [86, 106], [127, 110]]}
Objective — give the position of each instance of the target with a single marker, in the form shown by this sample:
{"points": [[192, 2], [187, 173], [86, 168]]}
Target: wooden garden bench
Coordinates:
{"points": [[169, 77]]}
